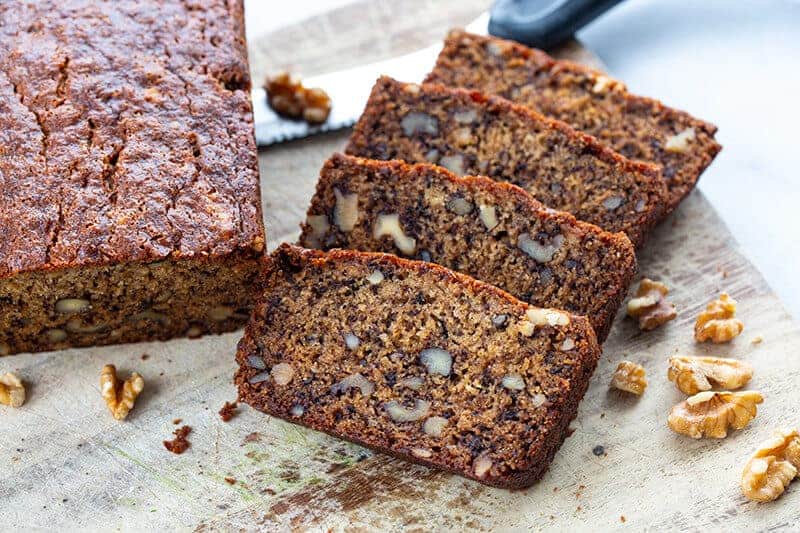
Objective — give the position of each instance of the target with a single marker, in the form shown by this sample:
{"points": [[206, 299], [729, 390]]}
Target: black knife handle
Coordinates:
{"points": [[544, 23]]}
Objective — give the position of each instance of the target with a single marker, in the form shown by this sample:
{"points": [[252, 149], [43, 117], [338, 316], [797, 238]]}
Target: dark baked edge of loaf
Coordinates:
{"points": [[650, 174], [548, 62], [618, 240], [540, 462]]}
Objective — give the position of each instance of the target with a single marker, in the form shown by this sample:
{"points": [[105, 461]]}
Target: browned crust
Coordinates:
{"points": [[649, 175], [56, 242], [602, 322], [543, 61], [295, 257]]}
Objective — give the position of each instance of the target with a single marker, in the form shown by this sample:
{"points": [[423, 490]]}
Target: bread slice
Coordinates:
{"points": [[495, 232], [470, 133], [635, 126], [414, 360]]}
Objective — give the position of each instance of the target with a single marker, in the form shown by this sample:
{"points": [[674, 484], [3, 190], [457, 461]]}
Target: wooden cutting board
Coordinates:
{"points": [[66, 464]]}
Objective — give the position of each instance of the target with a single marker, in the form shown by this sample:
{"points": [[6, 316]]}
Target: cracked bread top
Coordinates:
{"points": [[126, 133]]}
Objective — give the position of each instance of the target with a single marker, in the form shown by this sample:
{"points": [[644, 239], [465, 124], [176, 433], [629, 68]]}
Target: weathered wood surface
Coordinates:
{"points": [[66, 464]]}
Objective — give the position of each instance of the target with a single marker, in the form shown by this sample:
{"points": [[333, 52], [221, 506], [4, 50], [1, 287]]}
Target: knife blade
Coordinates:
{"points": [[348, 90]]}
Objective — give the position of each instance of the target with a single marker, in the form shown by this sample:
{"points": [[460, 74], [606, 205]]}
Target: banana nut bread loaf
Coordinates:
{"points": [[493, 231], [470, 133], [636, 127], [129, 180], [412, 359]]}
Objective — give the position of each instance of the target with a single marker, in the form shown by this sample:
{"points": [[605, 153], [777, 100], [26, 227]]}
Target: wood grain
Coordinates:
{"points": [[66, 464]]}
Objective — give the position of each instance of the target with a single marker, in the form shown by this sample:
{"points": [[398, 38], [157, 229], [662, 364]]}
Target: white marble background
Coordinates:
{"points": [[734, 63]]}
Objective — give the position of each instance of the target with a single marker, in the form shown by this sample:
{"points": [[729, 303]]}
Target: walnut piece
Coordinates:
{"points": [[540, 250], [345, 212], [694, 374], [629, 377], [537, 317], [12, 391], [72, 305], [417, 122], [287, 96], [772, 467], [488, 215], [454, 163], [680, 141], [650, 306], [709, 414], [717, 322], [319, 228], [436, 360], [119, 397], [389, 224], [398, 413]]}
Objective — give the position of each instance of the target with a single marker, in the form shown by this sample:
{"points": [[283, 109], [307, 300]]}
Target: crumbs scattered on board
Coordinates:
{"points": [[179, 444], [228, 411]]}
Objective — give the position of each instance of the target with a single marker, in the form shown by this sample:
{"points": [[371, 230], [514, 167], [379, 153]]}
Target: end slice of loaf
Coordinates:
{"points": [[635, 126], [414, 360], [493, 231], [470, 133]]}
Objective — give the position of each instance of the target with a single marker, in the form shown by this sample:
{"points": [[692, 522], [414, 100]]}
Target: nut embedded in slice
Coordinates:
{"points": [[772, 467], [629, 377], [650, 306], [717, 322], [12, 391], [345, 211], [709, 414], [694, 374], [389, 224], [119, 397]]}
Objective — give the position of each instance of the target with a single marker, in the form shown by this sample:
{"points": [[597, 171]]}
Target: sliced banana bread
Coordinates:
{"points": [[470, 133], [635, 126], [495, 232], [412, 359]]}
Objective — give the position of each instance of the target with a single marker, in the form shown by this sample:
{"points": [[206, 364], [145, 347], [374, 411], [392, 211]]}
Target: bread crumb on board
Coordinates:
{"points": [[228, 411], [179, 444]]}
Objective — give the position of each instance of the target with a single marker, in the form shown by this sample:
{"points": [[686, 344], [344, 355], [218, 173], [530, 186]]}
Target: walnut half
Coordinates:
{"points": [[119, 397], [717, 322], [709, 414], [12, 391], [650, 306], [772, 467], [694, 374], [629, 377]]}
